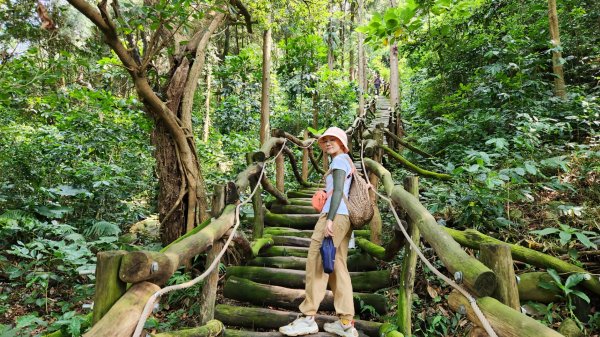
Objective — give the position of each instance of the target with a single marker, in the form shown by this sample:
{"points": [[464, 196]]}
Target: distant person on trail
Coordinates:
{"points": [[377, 83], [335, 223]]}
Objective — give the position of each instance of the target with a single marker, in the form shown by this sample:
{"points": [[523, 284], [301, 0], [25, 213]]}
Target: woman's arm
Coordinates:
{"points": [[339, 176]]}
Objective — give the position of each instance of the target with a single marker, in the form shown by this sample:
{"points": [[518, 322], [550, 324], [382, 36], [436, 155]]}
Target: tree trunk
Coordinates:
{"points": [[409, 265], [266, 82], [351, 50], [360, 54], [330, 56], [557, 68], [206, 127]]}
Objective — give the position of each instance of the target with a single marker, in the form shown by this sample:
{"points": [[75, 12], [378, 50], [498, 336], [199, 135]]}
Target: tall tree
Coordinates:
{"points": [[557, 67], [182, 200], [266, 83]]}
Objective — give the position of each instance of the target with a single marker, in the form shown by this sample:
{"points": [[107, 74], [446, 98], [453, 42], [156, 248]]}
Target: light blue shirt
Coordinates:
{"points": [[339, 162]]}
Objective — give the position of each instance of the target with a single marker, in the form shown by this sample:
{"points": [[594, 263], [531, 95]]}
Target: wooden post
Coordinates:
{"points": [[257, 205], [218, 201], [499, 259], [209, 288], [376, 223], [409, 264], [109, 287], [305, 159], [279, 172]]}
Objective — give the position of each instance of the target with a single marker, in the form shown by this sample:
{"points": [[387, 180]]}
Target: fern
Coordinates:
{"points": [[102, 228], [17, 215]]}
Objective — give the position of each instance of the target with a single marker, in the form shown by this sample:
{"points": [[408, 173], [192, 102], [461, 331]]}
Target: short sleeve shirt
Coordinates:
{"points": [[339, 162]]}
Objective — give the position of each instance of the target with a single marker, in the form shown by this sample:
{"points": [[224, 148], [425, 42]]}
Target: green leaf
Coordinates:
{"points": [[545, 231], [585, 240], [574, 279], [581, 295], [530, 168], [554, 276], [564, 237]]}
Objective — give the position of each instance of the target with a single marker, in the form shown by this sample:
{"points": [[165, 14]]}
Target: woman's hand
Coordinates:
{"points": [[329, 228]]}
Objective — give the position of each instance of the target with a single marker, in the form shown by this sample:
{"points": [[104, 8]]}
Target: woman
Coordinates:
{"points": [[334, 223]]}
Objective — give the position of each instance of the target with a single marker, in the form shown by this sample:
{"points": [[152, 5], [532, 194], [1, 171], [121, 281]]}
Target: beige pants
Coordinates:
{"points": [[339, 280]]}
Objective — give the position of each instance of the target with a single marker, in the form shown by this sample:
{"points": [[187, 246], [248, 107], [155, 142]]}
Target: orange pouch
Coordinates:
{"points": [[318, 200]]}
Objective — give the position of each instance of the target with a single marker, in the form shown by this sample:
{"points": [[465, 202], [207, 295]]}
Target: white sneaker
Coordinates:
{"points": [[340, 329], [303, 325]]}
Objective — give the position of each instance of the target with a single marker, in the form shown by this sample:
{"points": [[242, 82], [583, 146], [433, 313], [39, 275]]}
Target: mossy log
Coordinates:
{"points": [[140, 266], [414, 168], [306, 233], [356, 262], [264, 295], [505, 321], [530, 290], [280, 262], [294, 201], [125, 313], [476, 276], [285, 231], [407, 144], [260, 244], [284, 251], [297, 221], [277, 208], [298, 194], [291, 241], [210, 329], [473, 239], [250, 317], [370, 248], [268, 149], [361, 281]]}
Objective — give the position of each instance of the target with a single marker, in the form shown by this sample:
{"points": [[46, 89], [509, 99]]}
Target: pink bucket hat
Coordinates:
{"points": [[337, 133]]}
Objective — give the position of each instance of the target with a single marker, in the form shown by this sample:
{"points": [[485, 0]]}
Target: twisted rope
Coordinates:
{"points": [[150, 303]]}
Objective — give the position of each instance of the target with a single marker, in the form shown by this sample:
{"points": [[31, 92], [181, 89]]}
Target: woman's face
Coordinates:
{"points": [[332, 145]]}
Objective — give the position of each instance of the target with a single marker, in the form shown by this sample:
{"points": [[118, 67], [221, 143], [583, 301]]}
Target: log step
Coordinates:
{"points": [[248, 333], [365, 281], [298, 221], [290, 241], [292, 209], [356, 262], [298, 194], [265, 295], [285, 231], [251, 317]]}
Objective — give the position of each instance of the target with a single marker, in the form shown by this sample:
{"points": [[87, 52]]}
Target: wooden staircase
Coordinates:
{"points": [[265, 293]]}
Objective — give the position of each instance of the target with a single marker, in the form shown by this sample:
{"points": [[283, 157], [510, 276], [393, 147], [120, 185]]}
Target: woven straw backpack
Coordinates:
{"points": [[360, 206]]}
